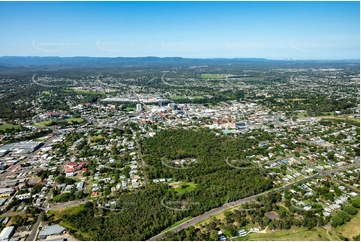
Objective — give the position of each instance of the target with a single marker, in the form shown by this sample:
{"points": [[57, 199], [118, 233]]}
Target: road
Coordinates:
{"points": [[215, 211], [34, 231], [166, 83], [346, 185], [11, 214], [232, 84], [141, 162]]}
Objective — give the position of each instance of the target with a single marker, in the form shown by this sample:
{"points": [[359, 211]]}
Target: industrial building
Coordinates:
{"points": [[2, 201], [6, 192], [6, 233], [3, 152], [22, 147], [50, 230]]}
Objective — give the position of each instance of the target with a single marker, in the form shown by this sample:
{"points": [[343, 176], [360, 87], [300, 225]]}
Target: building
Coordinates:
{"points": [[242, 232], [11, 183], [3, 152], [3, 167], [2, 201], [6, 192], [6, 220], [6, 233], [139, 107], [80, 185], [22, 147], [173, 106], [50, 230], [241, 126]]}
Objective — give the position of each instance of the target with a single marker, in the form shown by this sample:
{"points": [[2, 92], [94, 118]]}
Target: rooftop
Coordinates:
{"points": [[50, 230]]}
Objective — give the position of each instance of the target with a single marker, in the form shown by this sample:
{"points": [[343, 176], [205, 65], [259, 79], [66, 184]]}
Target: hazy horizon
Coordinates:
{"points": [[206, 58]]}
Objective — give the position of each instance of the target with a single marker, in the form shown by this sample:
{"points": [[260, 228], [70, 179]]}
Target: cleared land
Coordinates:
{"points": [[294, 234], [43, 123], [68, 120], [85, 91], [9, 126], [348, 230], [178, 97], [212, 76], [184, 187], [337, 117], [73, 210], [79, 120]]}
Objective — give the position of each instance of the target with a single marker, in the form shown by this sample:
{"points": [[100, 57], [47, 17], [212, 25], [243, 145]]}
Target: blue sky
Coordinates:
{"points": [[274, 30]]}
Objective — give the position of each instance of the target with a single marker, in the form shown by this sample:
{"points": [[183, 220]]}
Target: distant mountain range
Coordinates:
{"points": [[9, 62]]}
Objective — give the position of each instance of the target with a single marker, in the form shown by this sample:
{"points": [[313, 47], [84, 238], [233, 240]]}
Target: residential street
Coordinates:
{"points": [[34, 231]]}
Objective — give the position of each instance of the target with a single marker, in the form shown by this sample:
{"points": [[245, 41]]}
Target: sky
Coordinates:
{"points": [[272, 30]]}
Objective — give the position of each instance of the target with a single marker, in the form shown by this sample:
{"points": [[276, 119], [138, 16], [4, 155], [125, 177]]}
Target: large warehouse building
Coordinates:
{"points": [[6, 233], [51, 230]]}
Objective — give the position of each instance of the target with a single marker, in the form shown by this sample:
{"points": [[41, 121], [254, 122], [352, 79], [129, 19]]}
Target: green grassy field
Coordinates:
{"points": [[177, 97], [71, 210], [211, 76], [302, 115], [337, 117], [295, 234], [43, 123], [9, 126], [242, 238], [197, 97], [70, 120], [190, 187], [348, 230]]}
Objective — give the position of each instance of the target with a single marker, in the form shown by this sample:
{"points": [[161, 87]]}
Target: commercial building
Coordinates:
{"points": [[6, 233], [139, 107], [80, 185], [241, 126]]}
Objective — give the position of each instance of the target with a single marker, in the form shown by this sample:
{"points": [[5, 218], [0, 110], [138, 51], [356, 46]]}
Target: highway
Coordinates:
{"points": [[166, 83], [215, 211]]}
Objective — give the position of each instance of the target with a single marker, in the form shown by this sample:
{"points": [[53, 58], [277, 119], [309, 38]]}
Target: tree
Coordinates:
{"points": [[356, 203], [350, 210], [266, 220], [344, 216], [336, 221], [213, 235]]}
